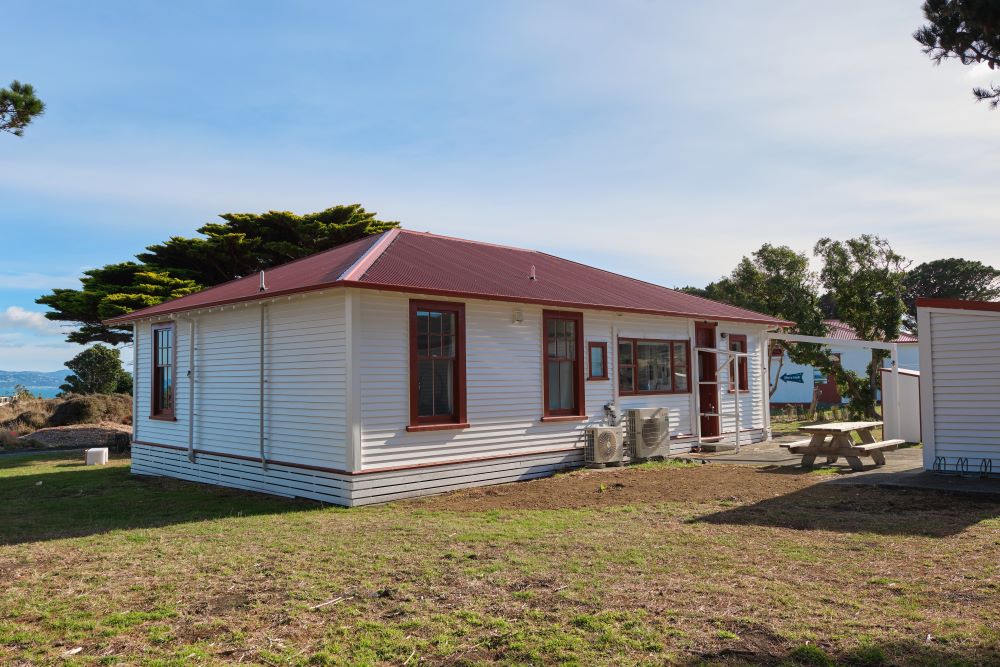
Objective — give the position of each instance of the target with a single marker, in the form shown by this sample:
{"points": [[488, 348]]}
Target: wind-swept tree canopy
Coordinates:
{"points": [[18, 107], [966, 30], [97, 370], [244, 244], [862, 279], [775, 280], [952, 278]]}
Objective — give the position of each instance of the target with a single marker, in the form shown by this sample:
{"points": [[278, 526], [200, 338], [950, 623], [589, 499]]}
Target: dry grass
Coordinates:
{"points": [[27, 415], [23, 416], [158, 572]]}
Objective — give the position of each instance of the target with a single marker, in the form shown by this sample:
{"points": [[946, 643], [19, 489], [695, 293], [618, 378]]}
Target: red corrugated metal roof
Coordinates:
{"points": [[312, 272], [406, 261], [843, 331]]}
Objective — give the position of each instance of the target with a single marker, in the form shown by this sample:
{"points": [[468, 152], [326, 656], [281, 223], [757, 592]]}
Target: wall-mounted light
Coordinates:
{"points": [[724, 334], [518, 316]]}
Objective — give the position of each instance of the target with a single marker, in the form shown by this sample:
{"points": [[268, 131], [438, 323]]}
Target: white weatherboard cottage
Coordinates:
{"points": [[405, 364], [960, 385]]}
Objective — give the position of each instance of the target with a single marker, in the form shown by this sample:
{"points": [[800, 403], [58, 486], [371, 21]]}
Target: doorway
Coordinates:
{"points": [[708, 386]]}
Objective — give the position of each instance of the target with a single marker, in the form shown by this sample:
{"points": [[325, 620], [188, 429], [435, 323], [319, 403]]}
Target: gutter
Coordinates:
{"points": [[409, 289]]}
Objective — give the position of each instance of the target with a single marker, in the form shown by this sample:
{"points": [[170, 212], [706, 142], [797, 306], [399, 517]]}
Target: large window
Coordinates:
{"points": [[563, 364], [163, 371], [653, 366], [738, 366], [437, 364]]}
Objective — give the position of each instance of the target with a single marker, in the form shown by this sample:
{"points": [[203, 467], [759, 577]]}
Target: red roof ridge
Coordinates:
{"points": [[474, 242], [361, 265], [263, 295]]}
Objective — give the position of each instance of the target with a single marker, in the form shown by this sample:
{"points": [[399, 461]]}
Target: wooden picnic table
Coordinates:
{"points": [[834, 440]]}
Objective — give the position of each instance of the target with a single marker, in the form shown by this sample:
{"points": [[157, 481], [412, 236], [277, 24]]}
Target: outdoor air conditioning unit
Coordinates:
{"points": [[648, 433], [604, 446]]}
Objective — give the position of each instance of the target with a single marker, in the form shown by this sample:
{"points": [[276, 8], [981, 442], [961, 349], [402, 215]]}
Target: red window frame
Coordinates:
{"points": [[459, 416], [577, 410], [592, 345], [741, 362], [633, 342], [156, 372]]}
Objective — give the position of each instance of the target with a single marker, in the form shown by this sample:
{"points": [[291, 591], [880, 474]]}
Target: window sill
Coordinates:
{"points": [[436, 427], [653, 393], [604, 379], [566, 418], [163, 418]]}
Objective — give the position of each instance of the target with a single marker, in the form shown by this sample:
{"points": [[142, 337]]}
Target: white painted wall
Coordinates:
{"points": [[852, 358], [752, 402], [307, 374], [504, 382], [960, 385], [909, 405], [304, 372]]}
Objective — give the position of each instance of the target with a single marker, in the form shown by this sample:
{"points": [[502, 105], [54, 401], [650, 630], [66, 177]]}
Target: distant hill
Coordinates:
{"points": [[33, 378]]}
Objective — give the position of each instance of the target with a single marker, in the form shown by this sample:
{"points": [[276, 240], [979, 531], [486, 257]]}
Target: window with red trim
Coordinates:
{"points": [[437, 363], [653, 366], [738, 366], [597, 360], [563, 363], [163, 370]]}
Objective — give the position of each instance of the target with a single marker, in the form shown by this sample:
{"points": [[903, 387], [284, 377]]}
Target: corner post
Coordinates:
{"points": [[352, 390]]}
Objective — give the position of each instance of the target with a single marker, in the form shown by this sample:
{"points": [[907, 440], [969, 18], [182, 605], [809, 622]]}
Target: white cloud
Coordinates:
{"points": [[15, 317], [666, 157]]}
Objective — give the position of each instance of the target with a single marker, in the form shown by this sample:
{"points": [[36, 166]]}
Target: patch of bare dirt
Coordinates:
{"points": [[625, 486], [103, 434]]}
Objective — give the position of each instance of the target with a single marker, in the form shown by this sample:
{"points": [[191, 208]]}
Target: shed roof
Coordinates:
{"points": [[839, 330], [407, 261]]}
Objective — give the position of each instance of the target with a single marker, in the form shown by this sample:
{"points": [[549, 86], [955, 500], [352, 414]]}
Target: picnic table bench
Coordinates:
{"points": [[834, 440]]}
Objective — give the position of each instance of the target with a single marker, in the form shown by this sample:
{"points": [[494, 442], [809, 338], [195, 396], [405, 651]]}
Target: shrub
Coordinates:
{"points": [[867, 655], [33, 419], [9, 439], [93, 408], [810, 654]]}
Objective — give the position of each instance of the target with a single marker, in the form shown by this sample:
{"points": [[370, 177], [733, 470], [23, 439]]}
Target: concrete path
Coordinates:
{"points": [[903, 469]]}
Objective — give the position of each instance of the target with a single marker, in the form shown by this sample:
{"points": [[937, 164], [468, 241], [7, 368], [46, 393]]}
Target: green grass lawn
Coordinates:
{"points": [[100, 567]]}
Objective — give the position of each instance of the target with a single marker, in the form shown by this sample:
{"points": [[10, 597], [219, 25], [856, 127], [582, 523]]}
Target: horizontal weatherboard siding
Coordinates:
{"points": [[964, 351]]}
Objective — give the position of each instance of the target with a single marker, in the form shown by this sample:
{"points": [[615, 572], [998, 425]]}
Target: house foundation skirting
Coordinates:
{"points": [[341, 488]]}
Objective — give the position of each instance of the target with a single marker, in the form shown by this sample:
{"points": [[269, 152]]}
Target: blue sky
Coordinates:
{"points": [[663, 140]]}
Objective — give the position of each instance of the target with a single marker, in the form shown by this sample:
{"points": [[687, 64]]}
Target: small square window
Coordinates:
{"points": [[597, 355]]}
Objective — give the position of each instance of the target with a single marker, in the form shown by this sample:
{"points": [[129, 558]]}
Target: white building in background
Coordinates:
{"points": [[796, 381]]}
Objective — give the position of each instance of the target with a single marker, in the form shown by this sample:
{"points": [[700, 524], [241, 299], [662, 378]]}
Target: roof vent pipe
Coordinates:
{"points": [[263, 285], [531, 274]]}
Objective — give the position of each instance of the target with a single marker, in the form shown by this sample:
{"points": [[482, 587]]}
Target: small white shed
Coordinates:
{"points": [[960, 384]]}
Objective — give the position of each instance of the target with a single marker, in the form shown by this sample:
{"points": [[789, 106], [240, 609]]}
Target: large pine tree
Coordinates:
{"points": [[244, 244]]}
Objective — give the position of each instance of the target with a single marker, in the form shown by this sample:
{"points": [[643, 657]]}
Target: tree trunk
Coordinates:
{"points": [[777, 372], [814, 406]]}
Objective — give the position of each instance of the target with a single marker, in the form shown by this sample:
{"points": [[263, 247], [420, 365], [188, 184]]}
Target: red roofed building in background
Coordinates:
{"points": [[410, 363]]}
